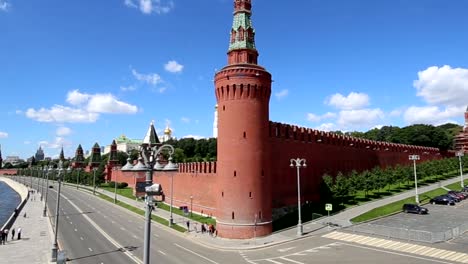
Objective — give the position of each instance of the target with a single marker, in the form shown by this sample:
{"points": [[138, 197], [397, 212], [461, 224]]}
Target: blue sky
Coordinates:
{"points": [[80, 72]]}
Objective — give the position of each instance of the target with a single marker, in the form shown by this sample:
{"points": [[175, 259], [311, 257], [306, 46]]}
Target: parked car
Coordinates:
{"points": [[415, 209], [460, 195], [454, 196], [442, 199]]}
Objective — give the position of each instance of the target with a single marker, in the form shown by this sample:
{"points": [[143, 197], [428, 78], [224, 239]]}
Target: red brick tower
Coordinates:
{"points": [[243, 91], [465, 128]]}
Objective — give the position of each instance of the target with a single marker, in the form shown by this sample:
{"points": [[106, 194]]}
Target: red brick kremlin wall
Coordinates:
{"points": [[327, 153]]}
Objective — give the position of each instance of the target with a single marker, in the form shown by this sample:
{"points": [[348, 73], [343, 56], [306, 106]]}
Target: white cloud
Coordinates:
{"points": [[62, 114], [185, 119], [316, 118], [107, 103], [193, 136], [326, 127], [313, 117], [76, 98], [63, 131], [3, 134], [151, 78], [151, 6], [281, 94], [162, 89], [350, 102], [431, 114], [56, 144], [443, 86], [396, 112], [127, 88], [173, 66], [4, 5], [362, 118]]}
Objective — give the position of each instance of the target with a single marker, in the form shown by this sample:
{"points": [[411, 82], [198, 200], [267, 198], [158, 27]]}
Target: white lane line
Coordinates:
{"points": [[290, 260], [285, 249], [122, 228], [81, 238], [76, 230], [71, 223], [195, 253], [135, 237], [273, 261], [162, 252], [115, 243], [90, 249]]}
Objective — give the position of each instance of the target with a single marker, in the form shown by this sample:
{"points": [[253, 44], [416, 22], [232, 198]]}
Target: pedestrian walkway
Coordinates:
{"points": [[35, 245], [398, 246]]}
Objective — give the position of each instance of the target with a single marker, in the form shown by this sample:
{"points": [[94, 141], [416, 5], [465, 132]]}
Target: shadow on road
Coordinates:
{"points": [[124, 249]]}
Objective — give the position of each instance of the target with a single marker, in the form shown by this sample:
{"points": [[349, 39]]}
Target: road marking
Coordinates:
{"points": [[76, 230], [115, 243], [273, 261], [122, 228], [90, 249], [81, 238], [135, 237], [398, 246], [290, 260], [162, 252], [71, 223], [195, 253], [286, 249]]}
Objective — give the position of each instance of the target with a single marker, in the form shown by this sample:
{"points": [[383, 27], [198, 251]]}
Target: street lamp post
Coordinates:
{"points": [[148, 162], [460, 155], [171, 220], [94, 181], [47, 171], [414, 158], [191, 205], [298, 163], [78, 178], [57, 213], [115, 189]]}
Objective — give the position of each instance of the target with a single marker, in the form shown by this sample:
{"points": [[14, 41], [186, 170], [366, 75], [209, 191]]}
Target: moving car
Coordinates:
{"points": [[415, 209]]}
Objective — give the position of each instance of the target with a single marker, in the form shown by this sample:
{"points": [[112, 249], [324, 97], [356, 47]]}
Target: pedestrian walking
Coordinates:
{"points": [[19, 233], [3, 237], [13, 233], [203, 228], [188, 226], [6, 234]]}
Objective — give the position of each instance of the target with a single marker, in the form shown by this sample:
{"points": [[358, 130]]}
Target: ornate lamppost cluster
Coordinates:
{"points": [[149, 161]]}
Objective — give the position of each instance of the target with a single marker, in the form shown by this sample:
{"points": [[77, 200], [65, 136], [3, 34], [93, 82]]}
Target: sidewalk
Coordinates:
{"points": [[35, 245]]}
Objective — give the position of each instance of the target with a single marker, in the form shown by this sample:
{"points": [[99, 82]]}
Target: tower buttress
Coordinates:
{"points": [[243, 90]]}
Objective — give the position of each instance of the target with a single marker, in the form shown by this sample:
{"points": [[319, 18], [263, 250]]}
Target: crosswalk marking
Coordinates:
{"points": [[400, 246]]}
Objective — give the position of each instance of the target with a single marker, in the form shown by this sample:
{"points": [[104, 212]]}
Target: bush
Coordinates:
{"points": [[122, 185]]}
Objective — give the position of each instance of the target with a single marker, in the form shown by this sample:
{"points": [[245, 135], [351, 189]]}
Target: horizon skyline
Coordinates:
{"points": [[335, 65]]}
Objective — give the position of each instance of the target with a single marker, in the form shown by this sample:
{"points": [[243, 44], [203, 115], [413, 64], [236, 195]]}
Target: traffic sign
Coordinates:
{"points": [[328, 207]]}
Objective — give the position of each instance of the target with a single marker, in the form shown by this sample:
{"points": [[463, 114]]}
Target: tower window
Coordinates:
{"points": [[222, 194], [245, 134], [232, 215], [224, 108], [250, 194], [235, 173]]}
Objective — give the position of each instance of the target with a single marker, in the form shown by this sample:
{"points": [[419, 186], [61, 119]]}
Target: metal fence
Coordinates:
{"points": [[409, 234]]}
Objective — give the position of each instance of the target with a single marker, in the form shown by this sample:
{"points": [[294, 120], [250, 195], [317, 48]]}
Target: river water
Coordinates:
{"points": [[9, 200]]}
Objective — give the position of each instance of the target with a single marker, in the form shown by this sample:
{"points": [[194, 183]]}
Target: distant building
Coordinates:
{"points": [[167, 134], [39, 154], [13, 160], [124, 144], [461, 140]]}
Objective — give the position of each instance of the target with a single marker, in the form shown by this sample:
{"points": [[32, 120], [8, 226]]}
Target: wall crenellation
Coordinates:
{"points": [[295, 133], [198, 167]]}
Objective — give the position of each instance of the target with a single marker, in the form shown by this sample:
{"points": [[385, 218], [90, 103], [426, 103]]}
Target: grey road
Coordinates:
{"points": [[95, 231]]}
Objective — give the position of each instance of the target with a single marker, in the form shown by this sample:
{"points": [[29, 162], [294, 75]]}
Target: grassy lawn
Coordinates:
{"points": [[396, 206], [128, 192]]}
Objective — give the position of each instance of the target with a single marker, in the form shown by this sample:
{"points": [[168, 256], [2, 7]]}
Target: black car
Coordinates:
{"points": [[442, 200], [415, 209]]}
